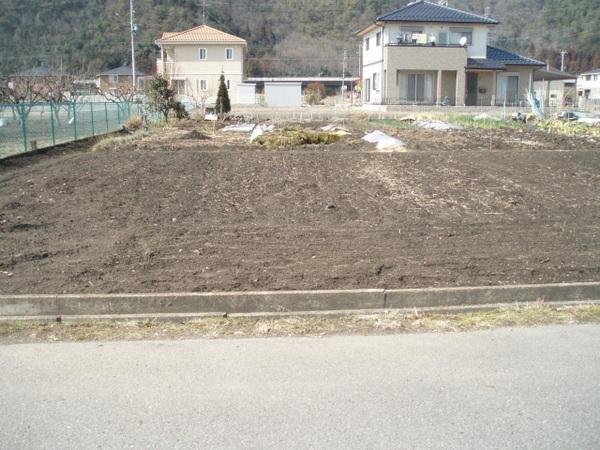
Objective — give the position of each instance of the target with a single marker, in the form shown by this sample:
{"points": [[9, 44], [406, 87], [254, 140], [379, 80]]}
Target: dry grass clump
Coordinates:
{"points": [[569, 128], [296, 136], [135, 123], [391, 322], [114, 142]]}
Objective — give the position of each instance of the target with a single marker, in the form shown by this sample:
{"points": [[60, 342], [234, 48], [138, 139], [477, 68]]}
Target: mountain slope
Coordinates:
{"points": [[284, 36]]}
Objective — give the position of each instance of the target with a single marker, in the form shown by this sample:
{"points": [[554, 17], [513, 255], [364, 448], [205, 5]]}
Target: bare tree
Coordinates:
{"points": [[21, 93]]}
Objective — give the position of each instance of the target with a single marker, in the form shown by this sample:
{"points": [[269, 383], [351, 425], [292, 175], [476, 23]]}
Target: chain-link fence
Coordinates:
{"points": [[29, 126]]}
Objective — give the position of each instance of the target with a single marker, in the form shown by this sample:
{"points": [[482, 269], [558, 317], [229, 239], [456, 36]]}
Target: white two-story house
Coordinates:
{"points": [[588, 86], [193, 61], [428, 53]]}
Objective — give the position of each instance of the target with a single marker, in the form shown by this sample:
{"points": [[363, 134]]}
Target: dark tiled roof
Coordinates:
{"points": [[485, 64], [422, 11], [122, 71], [497, 54], [591, 71]]}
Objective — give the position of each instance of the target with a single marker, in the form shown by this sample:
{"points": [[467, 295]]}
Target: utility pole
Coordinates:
{"points": [[203, 12], [344, 74], [132, 26], [563, 53]]}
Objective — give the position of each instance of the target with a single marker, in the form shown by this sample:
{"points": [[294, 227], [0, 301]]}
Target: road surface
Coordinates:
{"points": [[508, 388]]}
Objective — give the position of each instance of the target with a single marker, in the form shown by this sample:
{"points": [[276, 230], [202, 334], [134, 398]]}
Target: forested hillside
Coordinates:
{"points": [[284, 36]]}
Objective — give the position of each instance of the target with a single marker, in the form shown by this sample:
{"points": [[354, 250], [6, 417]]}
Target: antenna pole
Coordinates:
{"points": [[132, 44], [203, 12], [563, 53], [344, 74]]}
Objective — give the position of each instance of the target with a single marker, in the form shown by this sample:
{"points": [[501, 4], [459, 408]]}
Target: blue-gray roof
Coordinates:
{"points": [[122, 71], [498, 59], [506, 57], [485, 64], [423, 11]]}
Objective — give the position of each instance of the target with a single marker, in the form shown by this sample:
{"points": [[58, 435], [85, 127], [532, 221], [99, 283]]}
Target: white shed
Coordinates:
{"points": [[286, 95], [246, 93]]}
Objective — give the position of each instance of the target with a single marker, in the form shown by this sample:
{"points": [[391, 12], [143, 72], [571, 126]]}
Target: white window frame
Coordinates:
{"points": [[367, 44], [200, 50], [232, 54], [228, 84], [375, 81], [378, 39], [201, 85]]}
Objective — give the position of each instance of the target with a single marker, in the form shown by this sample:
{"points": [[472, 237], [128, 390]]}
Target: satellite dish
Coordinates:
{"points": [[463, 41]]}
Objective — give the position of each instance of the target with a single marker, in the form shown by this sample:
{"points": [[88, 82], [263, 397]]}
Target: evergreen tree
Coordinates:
{"points": [[162, 99], [223, 103]]}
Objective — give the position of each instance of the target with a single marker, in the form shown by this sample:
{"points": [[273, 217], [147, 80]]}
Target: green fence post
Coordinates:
{"points": [[92, 118], [21, 109], [74, 122], [106, 115], [52, 123]]}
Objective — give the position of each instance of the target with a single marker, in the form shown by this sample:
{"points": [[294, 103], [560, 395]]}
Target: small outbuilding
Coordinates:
{"points": [[246, 93], [283, 95]]}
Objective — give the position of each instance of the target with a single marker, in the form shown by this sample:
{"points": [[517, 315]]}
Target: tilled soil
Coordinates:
{"points": [[172, 214]]}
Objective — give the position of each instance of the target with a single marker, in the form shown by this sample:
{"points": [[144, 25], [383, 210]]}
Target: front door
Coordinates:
{"points": [[472, 86]]}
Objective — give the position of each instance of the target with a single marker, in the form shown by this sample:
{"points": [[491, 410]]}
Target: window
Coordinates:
{"points": [[201, 85], [595, 77], [114, 78], [378, 38], [228, 84], [508, 88], [409, 35], [415, 87], [456, 34], [202, 54], [228, 53], [375, 81], [588, 78], [367, 44], [179, 87], [442, 38]]}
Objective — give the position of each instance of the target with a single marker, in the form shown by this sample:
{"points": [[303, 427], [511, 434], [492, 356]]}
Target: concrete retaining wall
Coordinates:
{"points": [[289, 301]]}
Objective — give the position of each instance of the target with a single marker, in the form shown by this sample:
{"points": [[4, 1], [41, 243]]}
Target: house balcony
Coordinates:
{"points": [[424, 74], [163, 67], [425, 57]]}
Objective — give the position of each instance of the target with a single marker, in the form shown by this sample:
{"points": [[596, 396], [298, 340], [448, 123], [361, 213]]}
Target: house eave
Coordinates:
{"points": [[167, 42], [368, 29]]}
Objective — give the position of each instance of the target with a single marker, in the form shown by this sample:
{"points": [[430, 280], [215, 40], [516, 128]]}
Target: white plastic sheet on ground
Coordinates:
{"points": [[589, 121], [240, 128], [383, 141], [335, 130], [211, 116], [259, 130], [433, 125], [484, 116]]}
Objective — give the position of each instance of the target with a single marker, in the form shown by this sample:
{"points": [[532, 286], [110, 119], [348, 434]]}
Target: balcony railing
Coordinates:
{"points": [[429, 44]]}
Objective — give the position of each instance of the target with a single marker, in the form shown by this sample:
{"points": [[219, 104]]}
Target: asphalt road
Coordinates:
{"points": [[509, 388]]}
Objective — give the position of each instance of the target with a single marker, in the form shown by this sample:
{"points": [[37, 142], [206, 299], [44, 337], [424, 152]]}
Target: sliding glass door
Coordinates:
{"points": [[414, 87]]}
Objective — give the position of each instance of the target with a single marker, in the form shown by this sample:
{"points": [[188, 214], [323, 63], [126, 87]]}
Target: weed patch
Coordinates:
{"points": [[296, 136]]}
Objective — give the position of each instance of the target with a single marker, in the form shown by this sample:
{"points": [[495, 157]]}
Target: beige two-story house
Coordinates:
{"points": [[193, 61], [428, 53]]}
